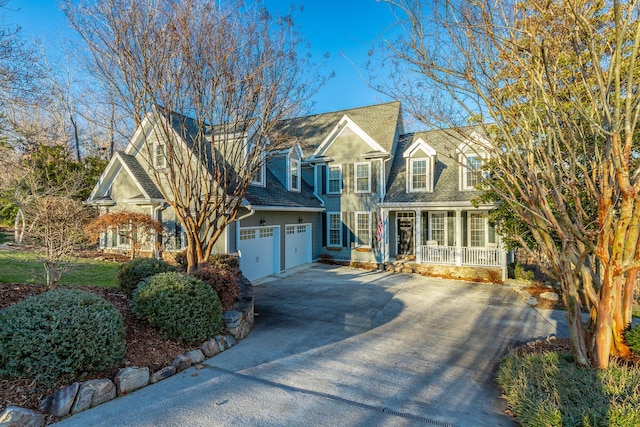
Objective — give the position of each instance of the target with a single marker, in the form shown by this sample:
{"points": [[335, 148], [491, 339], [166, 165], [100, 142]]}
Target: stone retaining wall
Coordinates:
{"points": [[84, 395]]}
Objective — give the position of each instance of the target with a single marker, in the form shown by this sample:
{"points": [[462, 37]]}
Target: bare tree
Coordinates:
{"points": [[212, 81], [557, 83], [56, 230]]}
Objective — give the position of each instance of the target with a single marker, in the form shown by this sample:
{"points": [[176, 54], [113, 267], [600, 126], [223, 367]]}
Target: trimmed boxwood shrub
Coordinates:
{"points": [[133, 272], [59, 334], [184, 308], [223, 280]]}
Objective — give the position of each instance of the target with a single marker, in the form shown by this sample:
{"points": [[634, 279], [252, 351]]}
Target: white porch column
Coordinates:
{"points": [[458, 237], [418, 241]]}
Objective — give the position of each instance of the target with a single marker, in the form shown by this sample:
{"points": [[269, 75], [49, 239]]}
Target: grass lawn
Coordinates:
{"points": [[25, 267]]}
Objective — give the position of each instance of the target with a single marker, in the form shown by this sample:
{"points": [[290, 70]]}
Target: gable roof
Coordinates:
{"points": [[129, 164], [446, 186], [378, 121]]}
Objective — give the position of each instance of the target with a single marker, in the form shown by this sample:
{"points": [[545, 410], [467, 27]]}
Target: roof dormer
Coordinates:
{"points": [[420, 160]]}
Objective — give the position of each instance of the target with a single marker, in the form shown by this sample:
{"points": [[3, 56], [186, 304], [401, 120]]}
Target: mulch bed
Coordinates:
{"points": [[145, 346]]}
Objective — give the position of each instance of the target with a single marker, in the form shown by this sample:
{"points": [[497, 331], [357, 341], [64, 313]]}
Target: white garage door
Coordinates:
{"points": [[259, 252], [297, 245]]}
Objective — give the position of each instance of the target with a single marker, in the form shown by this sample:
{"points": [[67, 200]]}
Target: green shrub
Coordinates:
{"points": [[184, 308], [133, 272], [551, 390], [632, 337], [59, 334], [519, 272], [223, 281]]}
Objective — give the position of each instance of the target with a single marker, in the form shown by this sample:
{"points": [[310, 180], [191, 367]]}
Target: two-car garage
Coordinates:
{"points": [[260, 248]]}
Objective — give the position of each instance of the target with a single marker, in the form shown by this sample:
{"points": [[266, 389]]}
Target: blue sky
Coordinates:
{"points": [[346, 30]]}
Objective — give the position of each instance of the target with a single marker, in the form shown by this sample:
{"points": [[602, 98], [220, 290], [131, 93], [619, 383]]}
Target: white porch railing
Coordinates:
{"points": [[468, 256], [438, 254], [481, 256]]}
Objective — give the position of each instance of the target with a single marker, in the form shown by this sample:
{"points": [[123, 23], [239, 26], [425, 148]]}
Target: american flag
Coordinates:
{"points": [[380, 228]]}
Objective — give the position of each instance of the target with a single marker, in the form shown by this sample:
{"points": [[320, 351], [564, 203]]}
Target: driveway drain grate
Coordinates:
{"points": [[379, 409]]}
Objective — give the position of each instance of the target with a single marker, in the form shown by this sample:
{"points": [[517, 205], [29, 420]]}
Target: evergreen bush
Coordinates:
{"points": [[59, 334], [184, 308], [133, 272]]}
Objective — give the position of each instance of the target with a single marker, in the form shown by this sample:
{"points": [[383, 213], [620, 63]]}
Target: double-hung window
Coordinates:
{"points": [[160, 155], [438, 227], [472, 174], [363, 228], [334, 179], [419, 174], [477, 229], [363, 177], [294, 175], [334, 229], [255, 161]]}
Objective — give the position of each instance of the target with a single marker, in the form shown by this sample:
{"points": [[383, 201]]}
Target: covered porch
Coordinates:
{"points": [[443, 235]]}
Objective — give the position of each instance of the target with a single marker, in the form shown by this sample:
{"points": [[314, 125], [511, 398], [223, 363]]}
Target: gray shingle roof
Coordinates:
{"points": [[141, 176], [276, 194], [378, 121], [446, 176]]}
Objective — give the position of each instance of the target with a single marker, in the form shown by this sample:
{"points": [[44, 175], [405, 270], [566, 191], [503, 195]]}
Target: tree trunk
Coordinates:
{"points": [[19, 226]]}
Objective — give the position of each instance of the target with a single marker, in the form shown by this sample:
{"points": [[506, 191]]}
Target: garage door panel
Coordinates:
{"points": [[258, 249], [297, 244]]}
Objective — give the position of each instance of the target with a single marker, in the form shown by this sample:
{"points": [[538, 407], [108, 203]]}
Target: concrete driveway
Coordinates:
{"points": [[336, 346]]}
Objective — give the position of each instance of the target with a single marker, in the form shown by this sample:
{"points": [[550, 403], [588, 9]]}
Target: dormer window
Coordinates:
{"points": [[258, 172], [160, 155], [473, 171], [420, 171], [363, 177], [294, 175], [420, 162], [473, 153]]}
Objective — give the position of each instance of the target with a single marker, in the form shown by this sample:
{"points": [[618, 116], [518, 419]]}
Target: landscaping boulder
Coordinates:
{"points": [[59, 403], [182, 361], [163, 373], [130, 379], [196, 356], [210, 348], [14, 416], [93, 393]]}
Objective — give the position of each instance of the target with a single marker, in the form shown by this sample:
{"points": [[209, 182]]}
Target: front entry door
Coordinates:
{"points": [[405, 236]]}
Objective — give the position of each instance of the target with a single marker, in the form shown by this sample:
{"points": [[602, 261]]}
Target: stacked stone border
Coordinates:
{"points": [[80, 396]]}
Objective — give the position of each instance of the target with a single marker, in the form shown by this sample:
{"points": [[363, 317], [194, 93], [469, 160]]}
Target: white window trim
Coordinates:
{"points": [[446, 225], [357, 229], [339, 179], [119, 236], [355, 178], [262, 171], [463, 167], [429, 172], [290, 176], [486, 228], [156, 149], [329, 244]]}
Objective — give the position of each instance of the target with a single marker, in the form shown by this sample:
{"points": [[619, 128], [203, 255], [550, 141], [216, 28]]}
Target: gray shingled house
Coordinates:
{"points": [[350, 186]]}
